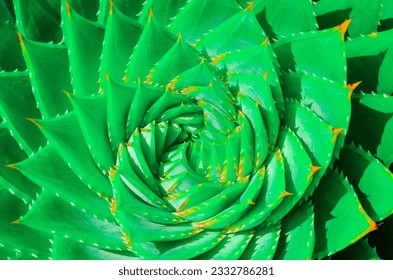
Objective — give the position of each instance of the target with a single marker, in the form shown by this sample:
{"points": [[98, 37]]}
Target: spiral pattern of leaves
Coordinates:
{"points": [[192, 130]]}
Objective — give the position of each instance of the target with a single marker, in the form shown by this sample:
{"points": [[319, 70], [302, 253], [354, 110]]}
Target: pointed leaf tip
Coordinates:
{"points": [[113, 205], [351, 88], [110, 7], [285, 193], [35, 122], [336, 132], [13, 166], [19, 36], [126, 239], [67, 94], [313, 170], [250, 6], [68, 7], [16, 222], [179, 36], [106, 76], [265, 42], [343, 27], [150, 15]]}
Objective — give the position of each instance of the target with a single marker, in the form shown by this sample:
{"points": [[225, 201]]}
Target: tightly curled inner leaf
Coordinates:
{"points": [[147, 135]]}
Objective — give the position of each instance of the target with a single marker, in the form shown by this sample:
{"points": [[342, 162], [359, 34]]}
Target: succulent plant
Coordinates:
{"points": [[198, 129]]}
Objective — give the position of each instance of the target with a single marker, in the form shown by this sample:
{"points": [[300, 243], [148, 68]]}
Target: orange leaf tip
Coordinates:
{"points": [[184, 212], [336, 132], [179, 36], [218, 58], [183, 204], [20, 37], [22, 43], [250, 6], [110, 7], [351, 88], [343, 27], [35, 122], [113, 205], [68, 8], [278, 155], [203, 224], [125, 79], [127, 239], [265, 42], [285, 193], [106, 76], [112, 172], [189, 89], [150, 15], [265, 75], [313, 170], [67, 94], [250, 202], [13, 166]]}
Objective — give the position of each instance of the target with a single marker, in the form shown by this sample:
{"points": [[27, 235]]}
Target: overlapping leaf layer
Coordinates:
{"points": [[199, 129]]}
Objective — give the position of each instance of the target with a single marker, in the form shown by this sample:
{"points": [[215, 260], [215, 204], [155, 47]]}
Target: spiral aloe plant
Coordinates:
{"points": [[198, 129]]}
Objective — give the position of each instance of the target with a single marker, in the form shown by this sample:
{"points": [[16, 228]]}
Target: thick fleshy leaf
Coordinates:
{"points": [[297, 235], [372, 181], [336, 205], [83, 39], [298, 15], [49, 74], [376, 52], [312, 52], [51, 214], [22, 130], [364, 14], [372, 116]]}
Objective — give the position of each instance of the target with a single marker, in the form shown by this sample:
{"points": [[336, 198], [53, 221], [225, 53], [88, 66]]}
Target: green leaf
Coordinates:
{"points": [[263, 244], [372, 181], [83, 39], [91, 113], [376, 52], [49, 75], [360, 250], [66, 135], [298, 172], [121, 36], [336, 205], [24, 132], [240, 31], [297, 235], [11, 57], [163, 10], [198, 17], [46, 168], [312, 52], [66, 249], [280, 18], [39, 20], [372, 116], [230, 248], [51, 214], [364, 14], [153, 43]]}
